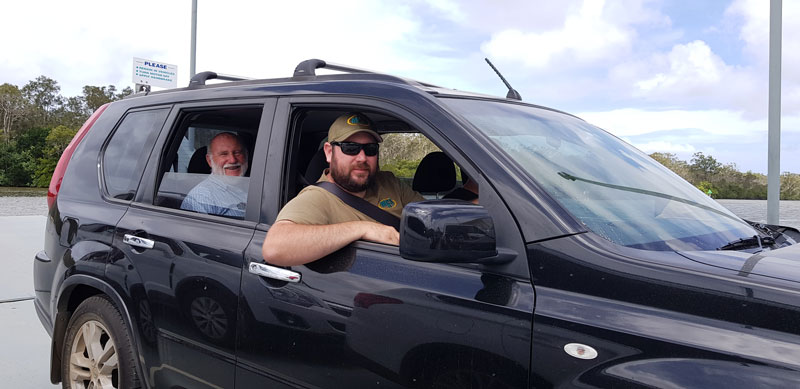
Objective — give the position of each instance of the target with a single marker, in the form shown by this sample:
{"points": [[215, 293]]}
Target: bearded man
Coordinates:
{"points": [[316, 222], [223, 192]]}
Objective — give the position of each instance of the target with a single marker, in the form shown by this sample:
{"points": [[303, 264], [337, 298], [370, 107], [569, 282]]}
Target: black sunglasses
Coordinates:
{"points": [[353, 148]]}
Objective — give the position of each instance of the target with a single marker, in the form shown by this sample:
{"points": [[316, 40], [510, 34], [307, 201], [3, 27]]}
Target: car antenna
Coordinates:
{"points": [[512, 93]]}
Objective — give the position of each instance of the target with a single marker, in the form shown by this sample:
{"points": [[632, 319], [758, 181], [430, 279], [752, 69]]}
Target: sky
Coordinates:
{"points": [[664, 75]]}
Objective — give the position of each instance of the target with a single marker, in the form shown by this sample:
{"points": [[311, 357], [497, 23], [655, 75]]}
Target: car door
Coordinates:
{"points": [[366, 317], [182, 268]]}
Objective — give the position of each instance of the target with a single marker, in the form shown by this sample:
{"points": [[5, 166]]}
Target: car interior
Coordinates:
{"points": [[435, 175], [184, 162]]}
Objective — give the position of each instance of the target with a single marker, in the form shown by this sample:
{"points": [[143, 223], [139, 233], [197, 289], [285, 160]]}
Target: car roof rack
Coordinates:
{"points": [[200, 79], [305, 70], [308, 68]]}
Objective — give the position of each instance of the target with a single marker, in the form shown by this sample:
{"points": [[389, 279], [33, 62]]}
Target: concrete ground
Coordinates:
{"points": [[25, 351]]}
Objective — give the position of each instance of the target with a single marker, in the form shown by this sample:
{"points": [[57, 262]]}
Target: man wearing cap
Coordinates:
{"points": [[316, 222]]}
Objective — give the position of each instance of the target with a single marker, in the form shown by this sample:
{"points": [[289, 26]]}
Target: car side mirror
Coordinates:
{"points": [[448, 231]]}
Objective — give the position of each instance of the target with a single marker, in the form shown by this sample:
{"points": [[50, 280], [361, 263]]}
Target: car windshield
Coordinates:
{"points": [[614, 189]]}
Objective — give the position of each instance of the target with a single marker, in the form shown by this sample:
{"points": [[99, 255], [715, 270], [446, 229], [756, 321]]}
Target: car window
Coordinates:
{"points": [[401, 152], [125, 155], [615, 190], [404, 153], [206, 163]]}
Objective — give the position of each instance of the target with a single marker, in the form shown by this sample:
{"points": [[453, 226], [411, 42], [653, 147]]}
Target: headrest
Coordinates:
{"points": [[436, 173]]}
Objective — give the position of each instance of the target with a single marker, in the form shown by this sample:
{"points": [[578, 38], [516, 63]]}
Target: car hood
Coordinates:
{"points": [[783, 263]]}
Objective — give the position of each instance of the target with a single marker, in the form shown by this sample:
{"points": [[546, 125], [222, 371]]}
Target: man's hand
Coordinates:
{"points": [[380, 233]]}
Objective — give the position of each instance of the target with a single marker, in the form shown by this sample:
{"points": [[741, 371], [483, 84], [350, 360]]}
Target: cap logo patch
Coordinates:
{"points": [[357, 120], [387, 203]]}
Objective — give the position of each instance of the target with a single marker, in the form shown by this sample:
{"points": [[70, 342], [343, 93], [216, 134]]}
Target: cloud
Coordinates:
{"points": [[753, 17], [691, 75], [594, 31], [664, 147], [90, 43], [729, 136], [586, 36]]}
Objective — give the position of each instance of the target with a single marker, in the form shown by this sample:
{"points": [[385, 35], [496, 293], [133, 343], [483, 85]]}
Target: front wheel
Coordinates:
{"points": [[98, 352]]}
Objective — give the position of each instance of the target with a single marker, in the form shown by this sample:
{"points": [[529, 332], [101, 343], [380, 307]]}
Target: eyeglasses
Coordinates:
{"points": [[353, 148]]}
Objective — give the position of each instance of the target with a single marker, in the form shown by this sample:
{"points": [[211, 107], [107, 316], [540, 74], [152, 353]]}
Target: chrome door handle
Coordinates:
{"points": [[138, 242], [273, 272]]}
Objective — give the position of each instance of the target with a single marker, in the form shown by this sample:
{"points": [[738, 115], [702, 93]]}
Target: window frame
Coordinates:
{"points": [[280, 159], [149, 189]]}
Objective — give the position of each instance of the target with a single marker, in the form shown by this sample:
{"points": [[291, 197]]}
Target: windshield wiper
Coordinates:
{"points": [[746, 243], [570, 177]]}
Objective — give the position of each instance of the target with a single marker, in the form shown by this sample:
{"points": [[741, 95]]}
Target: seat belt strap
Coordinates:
{"points": [[361, 205]]}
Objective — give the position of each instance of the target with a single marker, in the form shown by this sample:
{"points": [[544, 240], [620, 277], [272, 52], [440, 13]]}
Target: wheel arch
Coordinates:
{"points": [[74, 290]]}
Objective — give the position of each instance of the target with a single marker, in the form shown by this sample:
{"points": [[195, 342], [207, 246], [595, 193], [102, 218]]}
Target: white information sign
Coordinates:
{"points": [[155, 73]]}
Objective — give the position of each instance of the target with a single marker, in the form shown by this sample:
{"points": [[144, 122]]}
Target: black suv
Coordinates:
{"points": [[586, 264]]}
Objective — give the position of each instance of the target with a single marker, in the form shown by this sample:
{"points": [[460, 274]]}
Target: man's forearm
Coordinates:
{"points": [[289, 244]]}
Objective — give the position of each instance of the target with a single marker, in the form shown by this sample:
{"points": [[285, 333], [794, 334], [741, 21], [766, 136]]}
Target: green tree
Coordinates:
{"points": [[57, 140], [33, 140], [402, 168], [790, 186], [16, 166], [43, 95], [95, 96], [12, 108], [707, 188], [73, 113], [671, 162], [405, 147], [704, 167]]}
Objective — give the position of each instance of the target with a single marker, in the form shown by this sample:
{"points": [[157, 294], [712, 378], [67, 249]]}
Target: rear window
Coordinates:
{"points": [[126, 154]]}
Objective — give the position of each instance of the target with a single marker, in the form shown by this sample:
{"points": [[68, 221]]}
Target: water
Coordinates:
{"points": [[756, 210], [27, 201]]}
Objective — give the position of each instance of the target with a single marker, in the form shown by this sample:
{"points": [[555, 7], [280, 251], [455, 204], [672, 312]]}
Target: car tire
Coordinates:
{"points": [[98, 352]]}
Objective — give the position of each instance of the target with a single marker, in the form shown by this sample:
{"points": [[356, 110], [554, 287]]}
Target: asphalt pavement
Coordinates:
{"points": [[25, 345]]}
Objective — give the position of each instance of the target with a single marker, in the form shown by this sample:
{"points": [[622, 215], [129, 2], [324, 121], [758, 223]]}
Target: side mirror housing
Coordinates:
{"points": [[447, 231]]}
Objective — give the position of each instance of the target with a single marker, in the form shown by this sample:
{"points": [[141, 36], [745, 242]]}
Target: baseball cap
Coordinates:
{"points": [[348, 124]]}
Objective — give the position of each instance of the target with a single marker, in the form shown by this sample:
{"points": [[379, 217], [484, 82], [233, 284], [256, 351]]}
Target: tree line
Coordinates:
{"points": [[725, 181], [38, 124]]}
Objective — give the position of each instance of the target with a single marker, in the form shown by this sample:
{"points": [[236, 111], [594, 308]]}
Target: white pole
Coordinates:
{"points": [[193, 49], [774, 150]]}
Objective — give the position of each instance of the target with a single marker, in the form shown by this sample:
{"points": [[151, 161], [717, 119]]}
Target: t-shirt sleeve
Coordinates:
{"points": [[308, 207]]}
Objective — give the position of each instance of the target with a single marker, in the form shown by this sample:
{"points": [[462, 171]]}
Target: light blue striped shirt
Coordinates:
{"points": [[218, 195]]}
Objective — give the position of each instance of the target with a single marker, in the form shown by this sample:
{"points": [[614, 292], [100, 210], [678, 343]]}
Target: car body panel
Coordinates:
{"points": [[366, 317]]}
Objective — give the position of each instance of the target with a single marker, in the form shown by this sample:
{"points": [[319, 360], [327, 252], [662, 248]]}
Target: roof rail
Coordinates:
{"points": [[200, 79], [308, 67]]}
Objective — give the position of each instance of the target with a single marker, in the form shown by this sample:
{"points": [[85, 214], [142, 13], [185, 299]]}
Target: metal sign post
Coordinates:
{"points": [[193, 48], [774, 149]]}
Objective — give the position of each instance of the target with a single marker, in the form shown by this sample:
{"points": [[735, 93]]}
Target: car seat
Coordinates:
{"points": [[198, 163], [435, 174]]}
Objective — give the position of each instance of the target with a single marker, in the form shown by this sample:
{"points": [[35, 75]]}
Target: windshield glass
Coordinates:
{"points": [[614, 189]]}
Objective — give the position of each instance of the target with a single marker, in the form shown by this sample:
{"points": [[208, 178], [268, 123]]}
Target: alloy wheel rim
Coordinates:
{"points": [[93, 360], [209, 317]]}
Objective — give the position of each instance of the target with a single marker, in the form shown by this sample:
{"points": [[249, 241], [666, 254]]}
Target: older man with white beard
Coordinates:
{"points": [[222, 193]]}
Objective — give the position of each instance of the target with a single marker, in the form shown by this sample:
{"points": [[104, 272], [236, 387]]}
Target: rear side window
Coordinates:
{"points": [[206, 163], [126, 153]]}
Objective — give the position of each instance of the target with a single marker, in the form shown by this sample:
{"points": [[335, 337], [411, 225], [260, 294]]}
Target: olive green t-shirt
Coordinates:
{"points": [[314, 205]]}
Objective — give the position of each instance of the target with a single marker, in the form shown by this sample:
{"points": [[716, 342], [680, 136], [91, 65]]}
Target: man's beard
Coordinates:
{"points": [[341, 176], [220, 170]]}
